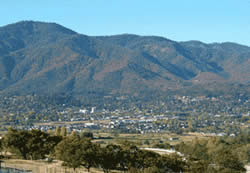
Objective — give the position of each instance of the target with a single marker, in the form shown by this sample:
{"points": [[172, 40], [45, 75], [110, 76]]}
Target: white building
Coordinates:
{"points": [[93, 110], [84, 111]]}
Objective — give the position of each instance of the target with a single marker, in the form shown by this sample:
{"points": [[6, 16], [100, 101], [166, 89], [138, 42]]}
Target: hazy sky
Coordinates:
{"points": [[180, 20]]}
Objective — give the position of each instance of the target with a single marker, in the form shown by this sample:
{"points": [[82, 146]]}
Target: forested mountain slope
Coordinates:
{"points": [[37, 57]]}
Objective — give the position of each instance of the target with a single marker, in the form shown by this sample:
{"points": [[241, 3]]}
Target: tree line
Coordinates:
{"points": [[81, 151], [223, 155]]}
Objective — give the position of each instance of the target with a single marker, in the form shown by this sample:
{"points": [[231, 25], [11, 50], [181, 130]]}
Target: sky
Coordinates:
{"points": [[180, 20]]}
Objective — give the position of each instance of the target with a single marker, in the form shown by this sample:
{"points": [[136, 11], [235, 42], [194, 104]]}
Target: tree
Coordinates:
{"points": [[146, 142], [36, 144], [198, 166], [69, 150], [1, 145], [225, 160], [87, 134], [131, 157], [33, 144], [199, 151], [171, 163], [51, 144], [132, 160], [15, 141], [108, 157], [164, 145], [146, 159], [124, 160], [89, 154]]}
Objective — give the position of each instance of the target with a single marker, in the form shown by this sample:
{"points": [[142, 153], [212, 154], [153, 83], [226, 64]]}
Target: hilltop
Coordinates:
{"points": [[41, 58]]}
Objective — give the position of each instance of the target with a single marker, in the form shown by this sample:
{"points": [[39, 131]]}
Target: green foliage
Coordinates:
{"points": [[146, 142], [109, 157], [89, 154], [75, 152], [128, 158], [52, 43], [226, 160], [164, 146], [146, 159], [87, 134], [217, 154], [37, 144], [15, 142], [171, 163], [33, 144], [69, 151], [1, 145], [198, 166]]}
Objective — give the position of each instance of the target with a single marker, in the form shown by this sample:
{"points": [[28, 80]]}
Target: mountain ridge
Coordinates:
{"points": [[38, 57]]}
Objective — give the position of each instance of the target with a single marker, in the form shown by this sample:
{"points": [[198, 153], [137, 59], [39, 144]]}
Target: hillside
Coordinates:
{"points": [[37, 57]]}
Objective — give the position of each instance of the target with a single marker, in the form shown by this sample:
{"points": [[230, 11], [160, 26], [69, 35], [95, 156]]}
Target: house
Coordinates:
{"points": [[173, 139]]}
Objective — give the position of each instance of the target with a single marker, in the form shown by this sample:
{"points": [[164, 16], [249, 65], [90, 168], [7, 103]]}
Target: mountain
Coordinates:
{"points": [[38, 57]]}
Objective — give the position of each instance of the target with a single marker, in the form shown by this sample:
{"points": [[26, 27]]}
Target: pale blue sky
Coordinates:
{"points": [[180, 20]]}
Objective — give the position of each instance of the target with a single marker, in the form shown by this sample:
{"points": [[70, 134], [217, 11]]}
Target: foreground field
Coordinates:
{"points": [[43, 166], [55, 167], [113, 152]]}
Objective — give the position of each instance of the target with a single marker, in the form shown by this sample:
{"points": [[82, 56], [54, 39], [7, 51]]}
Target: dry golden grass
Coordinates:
{"points": [[154, 138], [43, 166]]}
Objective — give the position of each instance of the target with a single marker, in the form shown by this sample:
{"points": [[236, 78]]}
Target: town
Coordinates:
{"points": [[177, 114]]}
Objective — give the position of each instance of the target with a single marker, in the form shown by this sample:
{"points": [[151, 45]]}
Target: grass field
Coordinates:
{"points": [[43, 166], [151, 138]]}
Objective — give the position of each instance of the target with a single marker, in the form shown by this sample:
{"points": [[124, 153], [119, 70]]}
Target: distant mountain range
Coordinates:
{"points": [[37, 57]]}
